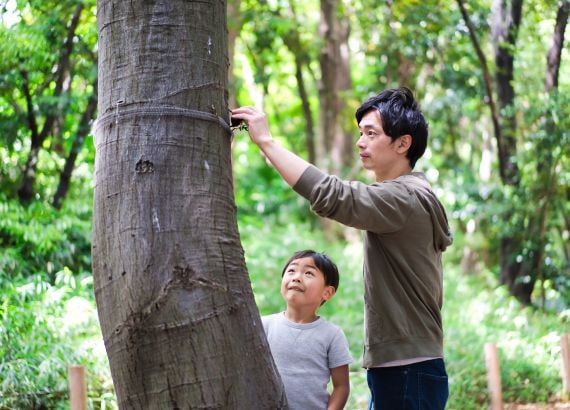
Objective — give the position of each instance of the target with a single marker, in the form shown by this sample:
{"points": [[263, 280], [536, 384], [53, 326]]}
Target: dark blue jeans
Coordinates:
{"points": [[417, 386]]}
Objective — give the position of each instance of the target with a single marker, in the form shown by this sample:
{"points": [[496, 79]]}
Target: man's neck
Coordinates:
{"points": [[393, 172]]}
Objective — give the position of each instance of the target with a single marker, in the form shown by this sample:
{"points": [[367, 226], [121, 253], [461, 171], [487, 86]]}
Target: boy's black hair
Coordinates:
{"points": [[322, 261], [400, 115]]}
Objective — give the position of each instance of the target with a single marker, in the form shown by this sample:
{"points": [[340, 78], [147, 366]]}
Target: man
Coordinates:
{"points": [[405, 232]]}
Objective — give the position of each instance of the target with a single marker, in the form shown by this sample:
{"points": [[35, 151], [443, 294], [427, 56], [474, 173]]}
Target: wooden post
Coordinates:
{"points": [[493, 376], [77, 388], [565, 350]]}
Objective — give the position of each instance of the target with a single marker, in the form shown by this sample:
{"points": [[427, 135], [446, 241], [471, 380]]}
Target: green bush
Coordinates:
{"points": [[478, 311], [38, 239], [45, 328]]}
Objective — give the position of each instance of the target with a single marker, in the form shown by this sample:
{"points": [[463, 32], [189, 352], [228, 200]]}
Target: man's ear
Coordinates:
{"points": [[403, 143]]}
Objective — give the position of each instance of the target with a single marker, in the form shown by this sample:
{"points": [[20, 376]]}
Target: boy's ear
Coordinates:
{"points": [[328, 292]]}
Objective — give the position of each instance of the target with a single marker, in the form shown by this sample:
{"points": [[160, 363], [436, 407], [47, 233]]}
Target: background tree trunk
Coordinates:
{"points": [[506, 18], [555, 51], [301, 57], [177, 313], [335, 150], [517, 272]]}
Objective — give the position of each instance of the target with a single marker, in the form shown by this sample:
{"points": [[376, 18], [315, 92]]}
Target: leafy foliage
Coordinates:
{"points": [[44, 328], [43, 90], [38, 240]]}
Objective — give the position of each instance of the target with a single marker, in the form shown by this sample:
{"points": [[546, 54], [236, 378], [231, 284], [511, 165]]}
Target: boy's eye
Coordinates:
{"points": [[309, 273]]}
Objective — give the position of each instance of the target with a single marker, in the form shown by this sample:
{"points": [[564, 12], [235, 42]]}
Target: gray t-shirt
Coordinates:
{"points": [[304, 354]]}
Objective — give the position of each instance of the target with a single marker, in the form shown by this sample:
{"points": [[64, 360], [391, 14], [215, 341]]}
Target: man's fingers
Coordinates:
{"points": [[245, 111]]}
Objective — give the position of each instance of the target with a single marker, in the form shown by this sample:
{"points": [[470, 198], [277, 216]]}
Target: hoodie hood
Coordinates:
{"points": [[418, 183]]}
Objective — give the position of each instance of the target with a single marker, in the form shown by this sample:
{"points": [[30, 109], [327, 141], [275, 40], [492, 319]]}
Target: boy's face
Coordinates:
{"points": [[303, 284]]}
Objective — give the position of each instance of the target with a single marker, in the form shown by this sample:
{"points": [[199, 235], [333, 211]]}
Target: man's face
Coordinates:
{"points": [[377, 150]]}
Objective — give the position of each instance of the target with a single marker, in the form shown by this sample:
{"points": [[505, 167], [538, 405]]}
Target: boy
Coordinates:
{"points": [[405, 232], [309, 351]]}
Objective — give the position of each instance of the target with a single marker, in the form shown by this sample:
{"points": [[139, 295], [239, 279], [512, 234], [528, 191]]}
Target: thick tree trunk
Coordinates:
{"points": [[175, 303]]}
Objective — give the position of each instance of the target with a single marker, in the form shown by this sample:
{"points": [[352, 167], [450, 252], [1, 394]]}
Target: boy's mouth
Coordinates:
{"points": [[296, 288]]}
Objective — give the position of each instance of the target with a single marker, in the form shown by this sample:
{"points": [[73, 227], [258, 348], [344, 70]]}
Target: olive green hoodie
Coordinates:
{"points": [[405, 232]]}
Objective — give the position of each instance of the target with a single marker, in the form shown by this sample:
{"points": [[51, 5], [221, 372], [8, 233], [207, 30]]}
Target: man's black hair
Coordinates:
{"points": [[400, 115]]}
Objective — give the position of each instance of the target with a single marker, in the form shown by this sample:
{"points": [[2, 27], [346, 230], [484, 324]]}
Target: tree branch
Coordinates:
{"points": [[32, 122], [82, 131], [62, 69], [486, 73]]}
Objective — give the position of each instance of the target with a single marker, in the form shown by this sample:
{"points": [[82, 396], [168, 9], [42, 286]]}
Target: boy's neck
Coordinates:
{"points": [[300, 315]]}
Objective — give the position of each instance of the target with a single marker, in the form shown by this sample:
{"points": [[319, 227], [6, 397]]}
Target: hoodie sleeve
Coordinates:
{"points": [[379, 208]]}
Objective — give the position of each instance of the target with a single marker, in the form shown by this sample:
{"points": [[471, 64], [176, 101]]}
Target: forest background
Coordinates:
{"points": [[492, 78]]}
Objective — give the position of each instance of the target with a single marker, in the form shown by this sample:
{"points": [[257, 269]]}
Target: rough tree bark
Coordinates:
{"points": [[175, 303]]}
